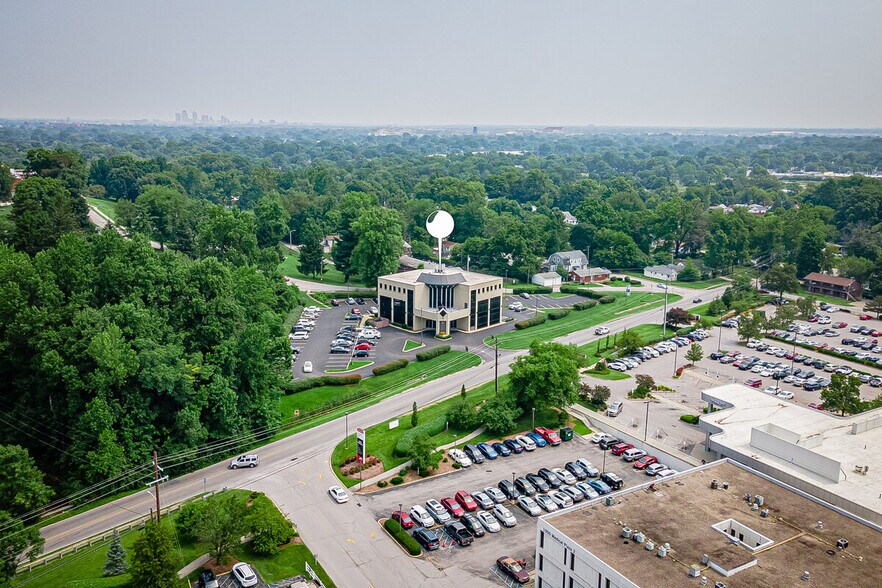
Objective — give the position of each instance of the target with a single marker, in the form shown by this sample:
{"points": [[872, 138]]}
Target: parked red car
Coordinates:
{"points": [[452, 507], [643, 462], [363, 347], [813, 318], [548, 435], [621, 448], [754, 383], [865, 317], [816, 405], [466, 501], [335, 302], [840, 325], [403, 518], [875, 333]]}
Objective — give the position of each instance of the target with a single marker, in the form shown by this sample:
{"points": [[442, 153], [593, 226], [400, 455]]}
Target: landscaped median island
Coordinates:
{"points": [[696, 285], [212, 525], [577, 320]]}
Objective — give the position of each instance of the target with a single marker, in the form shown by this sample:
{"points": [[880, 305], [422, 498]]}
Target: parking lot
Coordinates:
{"points": [[519, 541]]}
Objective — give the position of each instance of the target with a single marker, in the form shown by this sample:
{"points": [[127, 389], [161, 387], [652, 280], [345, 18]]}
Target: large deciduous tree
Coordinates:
{"points": [[780, 278], [221, 525], [43, 209], [155, 558], [843, 395], [311, 252], [548, 376], [271, 221], [379, 243]]}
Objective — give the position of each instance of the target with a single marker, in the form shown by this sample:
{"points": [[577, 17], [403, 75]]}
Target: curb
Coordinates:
{"points": [[381, 522]]}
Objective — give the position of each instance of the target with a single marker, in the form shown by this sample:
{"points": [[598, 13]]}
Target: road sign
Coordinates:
{"points": [[360, 450]]}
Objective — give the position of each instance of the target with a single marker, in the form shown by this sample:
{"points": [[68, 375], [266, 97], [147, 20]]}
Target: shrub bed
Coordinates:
{"points": [[532, 322], [390, 367], [689, 418], [532, 289], [607, 299], [309, 383], [406, 541], [558, 313], [432, 353], [430, 428], [585, 305], [396, 480]]}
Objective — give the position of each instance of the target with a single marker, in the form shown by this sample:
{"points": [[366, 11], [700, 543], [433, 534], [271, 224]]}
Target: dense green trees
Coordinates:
{"points": [[378, 243], [154, 557], [780, 278], [43, 209], [546, 377]]}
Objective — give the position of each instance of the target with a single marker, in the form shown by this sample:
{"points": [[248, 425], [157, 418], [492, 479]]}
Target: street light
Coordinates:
{"points": [[603, 467], [496, 369], [676, 349], [646, 421], [534, 418]]}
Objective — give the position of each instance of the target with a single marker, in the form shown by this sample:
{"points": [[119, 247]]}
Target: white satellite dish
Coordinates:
{"points": [[439, 224]]}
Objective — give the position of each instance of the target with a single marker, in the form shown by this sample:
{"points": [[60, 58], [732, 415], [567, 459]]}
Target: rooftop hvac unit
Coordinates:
{"points": [[639, 537], [714, 484], [626, 532], [725, 485], [764, 513], [662, 552], [719, 585], [805, 576], [649, 546], [703, 581], [758, 500], [842, 543], [704, 559], [609, 501], [694, 571]]}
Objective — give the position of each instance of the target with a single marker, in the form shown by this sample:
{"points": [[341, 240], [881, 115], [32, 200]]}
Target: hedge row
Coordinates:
{"points": [[829, 352], [558, 313], [433, 352], [585, 305], [408, 542], [530, 290], [689, 418], [531, 322], [632, 281], [606, 299], [430, 428], [390, 367], [309, 383], [581, 291]]}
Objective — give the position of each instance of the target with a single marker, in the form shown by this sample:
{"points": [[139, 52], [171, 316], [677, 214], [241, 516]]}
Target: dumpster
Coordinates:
{"points": [[566, 434]]}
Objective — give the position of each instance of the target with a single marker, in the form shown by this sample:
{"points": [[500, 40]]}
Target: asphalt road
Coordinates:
{"points": [[295, 472]]}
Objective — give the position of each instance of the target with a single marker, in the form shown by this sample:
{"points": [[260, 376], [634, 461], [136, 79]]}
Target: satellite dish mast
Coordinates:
{"points": [[440, 225]]}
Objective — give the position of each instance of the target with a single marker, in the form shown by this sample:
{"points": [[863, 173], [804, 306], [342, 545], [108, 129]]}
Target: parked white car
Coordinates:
{"points": [[529, 506], [460, 457], [527, 443], [601, 330], [596, 437], [244, 575], [421, 516], [666, 473], [505, 516], [588, 467], [653, 469], [299, 336], [785, 394], [488, 521], [564, 475], [307, 367]]}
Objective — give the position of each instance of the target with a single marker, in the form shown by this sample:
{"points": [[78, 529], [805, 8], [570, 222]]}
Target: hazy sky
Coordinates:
{"points": [[770, 63]]}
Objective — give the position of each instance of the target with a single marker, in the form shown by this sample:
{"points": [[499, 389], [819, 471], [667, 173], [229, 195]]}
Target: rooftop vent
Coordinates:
{"points": [[842, 543]]}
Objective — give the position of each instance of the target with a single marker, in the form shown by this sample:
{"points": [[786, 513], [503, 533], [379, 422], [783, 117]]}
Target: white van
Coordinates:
{"points": [[633, 454], [244, 461]]}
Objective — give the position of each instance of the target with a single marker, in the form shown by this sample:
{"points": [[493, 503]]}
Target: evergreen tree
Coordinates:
{"points": [[689, 273], [414, 419], [115, 564]]}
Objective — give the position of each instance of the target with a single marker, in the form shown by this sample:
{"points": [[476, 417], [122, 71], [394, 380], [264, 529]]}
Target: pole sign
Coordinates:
{"points": [[359, 445], [628, 290]]}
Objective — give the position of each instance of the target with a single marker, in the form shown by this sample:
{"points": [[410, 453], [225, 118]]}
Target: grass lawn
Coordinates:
{"points": [[827, 299], [609, 375], [108, 207], [579, 427], [578, 320], [380, 439], [617, 283], [698, 285], [83, 569], [353, 365], [331, 276], [378, 387], [701, 310], [410, 345]]}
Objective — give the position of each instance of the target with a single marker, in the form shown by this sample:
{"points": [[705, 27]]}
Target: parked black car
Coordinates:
{"points": [[459, 533], [524, 486], [472, 524], [428, 539], [612, 480], [539, 482], [608, 442], [576, 470], [550, 477], [474, 453], [509, 489]]}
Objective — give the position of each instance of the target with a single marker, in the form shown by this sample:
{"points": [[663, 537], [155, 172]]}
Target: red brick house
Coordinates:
{"points": [[589, 275], [836, 286]]}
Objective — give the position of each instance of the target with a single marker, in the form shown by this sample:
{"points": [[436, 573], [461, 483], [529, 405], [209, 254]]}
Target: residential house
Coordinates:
{"points": [[589, 275], [664, 272], [569, 260], [836, 286], [446, 246], [547, 279], [329, 242], [569, 218]]}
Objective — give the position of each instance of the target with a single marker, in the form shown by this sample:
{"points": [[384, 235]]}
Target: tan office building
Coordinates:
{"points": [[443, 302]]}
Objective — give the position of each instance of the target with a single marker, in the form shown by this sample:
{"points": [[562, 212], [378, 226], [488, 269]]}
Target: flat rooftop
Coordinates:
{"points": [[453, 275], [817, 442], [681, 511]]}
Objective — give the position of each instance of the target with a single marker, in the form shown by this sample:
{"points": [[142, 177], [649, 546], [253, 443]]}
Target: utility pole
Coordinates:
{"points": [[496, 369], [156, 480]]}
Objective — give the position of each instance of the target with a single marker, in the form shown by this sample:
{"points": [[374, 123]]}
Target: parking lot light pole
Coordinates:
{"points": [[646, 421], [400, 527], [534, 418], [676, 349], [346, 437], [455, 442], [496, 369], [512, 478], [603, 467]]}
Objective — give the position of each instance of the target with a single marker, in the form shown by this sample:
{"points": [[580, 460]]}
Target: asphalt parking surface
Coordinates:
{"points": [[519, 541]]}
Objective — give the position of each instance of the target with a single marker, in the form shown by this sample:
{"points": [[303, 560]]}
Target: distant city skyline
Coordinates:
{"points": [[682, 63]]}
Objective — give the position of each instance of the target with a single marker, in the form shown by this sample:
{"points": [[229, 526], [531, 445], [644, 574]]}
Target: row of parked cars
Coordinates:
{"points": [[646, 353], [358, 342], [305, 324], [641, 460], [469, 454], [469, 515]]}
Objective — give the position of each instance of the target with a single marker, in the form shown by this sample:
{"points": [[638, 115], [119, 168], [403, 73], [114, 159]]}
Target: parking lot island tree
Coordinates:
{"points": [[780, 278], [498, 414], [695, 354], [843, 395], [221, 524], [751, 325], [548, 376], [628, 341]]}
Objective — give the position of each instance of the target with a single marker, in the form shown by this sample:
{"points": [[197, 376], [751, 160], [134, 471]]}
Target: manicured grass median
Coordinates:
{"points": [[578, 320], [353, 365], [410, 345], [379, 387]]}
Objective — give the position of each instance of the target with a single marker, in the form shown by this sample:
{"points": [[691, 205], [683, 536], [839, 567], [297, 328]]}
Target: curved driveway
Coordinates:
{"points": [[295, 472]]}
